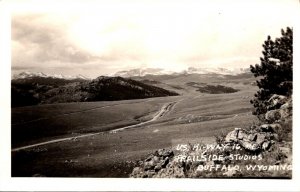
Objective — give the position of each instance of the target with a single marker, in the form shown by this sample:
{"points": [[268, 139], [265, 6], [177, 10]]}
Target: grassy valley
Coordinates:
{"points": [[193, 115]]}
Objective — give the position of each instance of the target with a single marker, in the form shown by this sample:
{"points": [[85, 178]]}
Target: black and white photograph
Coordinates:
{"points": [[152, 89]]}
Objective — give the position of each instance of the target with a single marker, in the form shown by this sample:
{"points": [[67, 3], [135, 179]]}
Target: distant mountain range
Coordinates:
{"points": [[24, 75], [140, 72], [219, 70], [191, 70]]}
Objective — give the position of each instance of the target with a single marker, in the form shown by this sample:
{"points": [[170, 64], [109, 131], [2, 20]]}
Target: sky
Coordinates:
{"points": [[102, 37]]}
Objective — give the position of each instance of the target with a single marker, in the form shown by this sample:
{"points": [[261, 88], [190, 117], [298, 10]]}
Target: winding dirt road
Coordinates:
{"points": [[162, 112]]}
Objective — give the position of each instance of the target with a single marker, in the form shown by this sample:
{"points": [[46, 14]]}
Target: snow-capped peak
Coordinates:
{"points": [[190, 70], [142, 72], [219, 70], [27, 74]]}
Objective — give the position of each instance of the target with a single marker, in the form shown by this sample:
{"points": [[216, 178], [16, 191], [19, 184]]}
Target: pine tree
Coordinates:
{"points": [[275, 70]]}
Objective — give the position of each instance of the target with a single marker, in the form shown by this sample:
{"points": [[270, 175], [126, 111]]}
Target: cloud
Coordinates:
{"points": [[106, 37], [37, 39], [44, 41]]}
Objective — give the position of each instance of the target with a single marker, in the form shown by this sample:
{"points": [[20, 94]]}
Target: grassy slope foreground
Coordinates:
{"points": [[194, 116]]}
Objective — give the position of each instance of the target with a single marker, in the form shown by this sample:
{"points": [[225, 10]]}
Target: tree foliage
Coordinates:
{"points": [[275, 71]]}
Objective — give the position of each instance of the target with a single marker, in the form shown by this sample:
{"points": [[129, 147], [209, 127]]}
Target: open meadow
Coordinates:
{"points": [[78, 139]]}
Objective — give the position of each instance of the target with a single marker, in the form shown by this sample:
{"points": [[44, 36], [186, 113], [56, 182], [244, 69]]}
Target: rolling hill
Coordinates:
{"points": [[34, 90]]}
